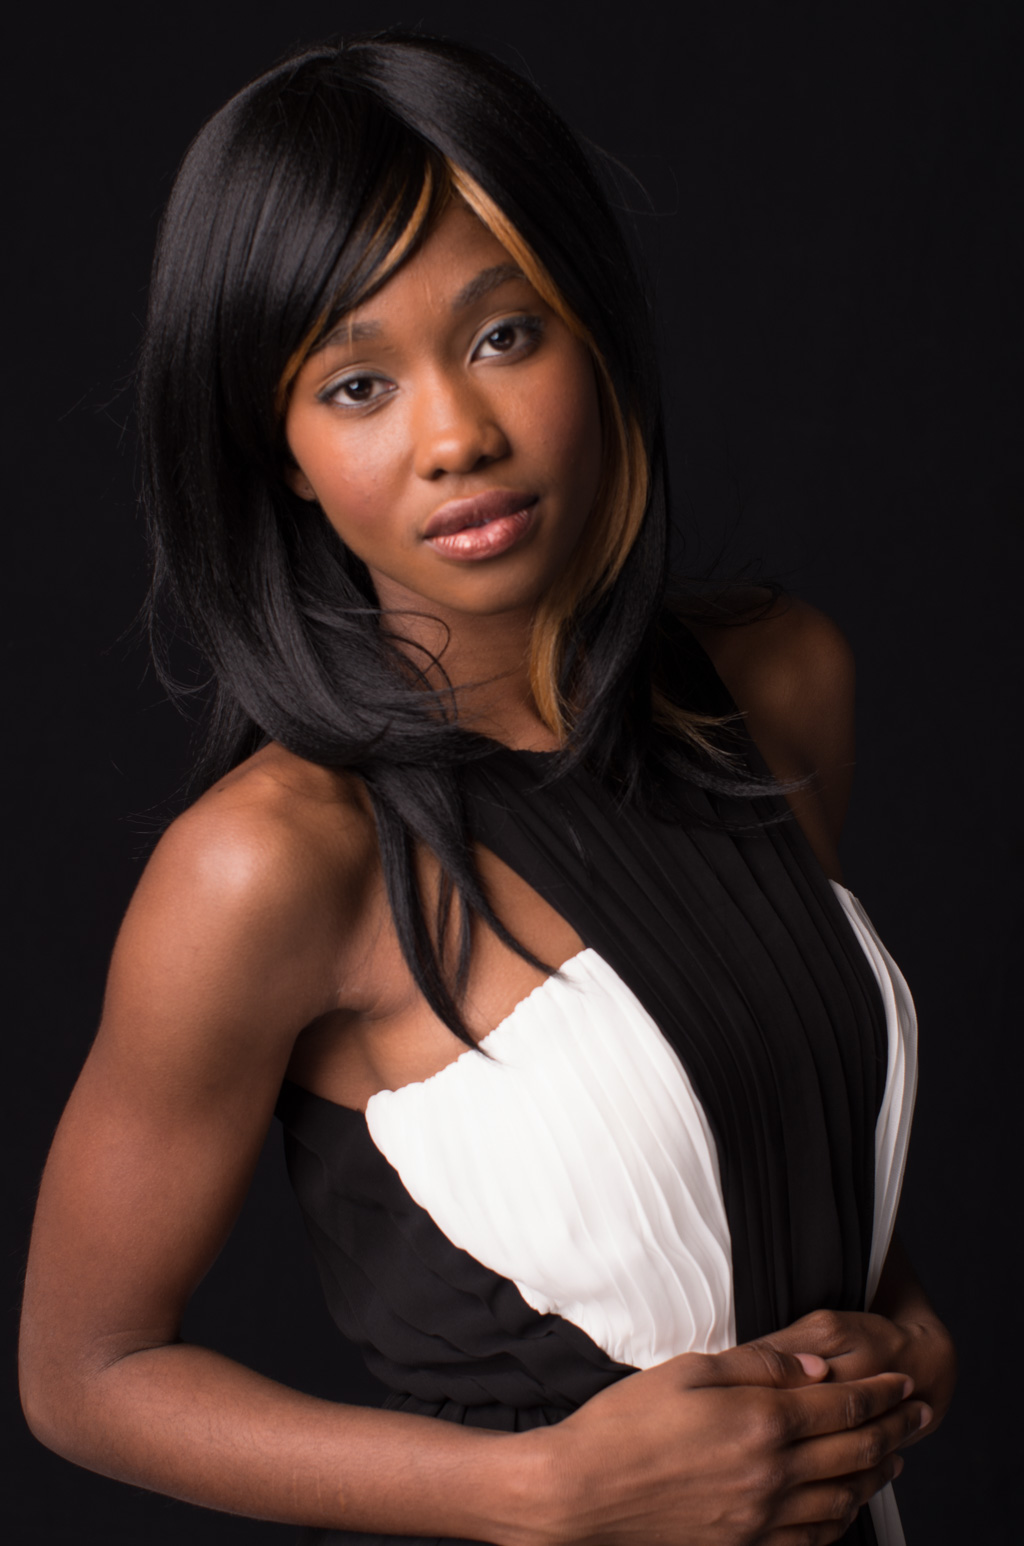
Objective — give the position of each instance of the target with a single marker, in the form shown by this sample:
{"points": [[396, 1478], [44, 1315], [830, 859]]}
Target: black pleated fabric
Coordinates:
{"points": [[736, 945], [739, 950], [434, 1324]]}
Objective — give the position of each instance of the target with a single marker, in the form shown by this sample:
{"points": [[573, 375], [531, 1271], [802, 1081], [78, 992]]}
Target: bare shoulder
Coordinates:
{"points": [[785, 663], [246, 902], [275, 833], [790, 669]]}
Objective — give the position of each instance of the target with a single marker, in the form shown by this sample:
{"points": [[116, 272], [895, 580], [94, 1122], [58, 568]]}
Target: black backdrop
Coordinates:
{"points": [[824, 193]]}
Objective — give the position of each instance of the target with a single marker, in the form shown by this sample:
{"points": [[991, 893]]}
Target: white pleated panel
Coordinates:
{"points": [[577, 1162], [885, 1516], [892, 1136], [892, 1128]]}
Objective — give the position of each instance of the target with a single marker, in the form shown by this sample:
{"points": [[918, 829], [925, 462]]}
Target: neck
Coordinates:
{"points": [[483, 660]]}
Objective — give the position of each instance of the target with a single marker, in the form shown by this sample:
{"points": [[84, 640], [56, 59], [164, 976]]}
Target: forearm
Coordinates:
{"points": [[186, 1421], [900, 1295], [701, 1447], [930, 1351]]}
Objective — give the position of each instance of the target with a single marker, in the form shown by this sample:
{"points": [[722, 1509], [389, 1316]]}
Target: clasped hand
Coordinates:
{"points": [[754, 1444], [856, 1345]]}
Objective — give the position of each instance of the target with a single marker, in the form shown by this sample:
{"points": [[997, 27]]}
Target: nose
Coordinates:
{"points": [[456, 428]]}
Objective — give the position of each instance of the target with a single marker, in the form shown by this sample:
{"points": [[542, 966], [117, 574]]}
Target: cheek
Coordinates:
{"points": [[567, 423], [354, 477]]}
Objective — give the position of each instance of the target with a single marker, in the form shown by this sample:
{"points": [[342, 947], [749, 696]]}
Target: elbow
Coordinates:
{"points": [[73, 1395], [53, 1394], [63, 1413], [45, 1412]]}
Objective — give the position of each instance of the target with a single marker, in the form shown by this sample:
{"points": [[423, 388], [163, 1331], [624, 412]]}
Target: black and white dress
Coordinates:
{"points": [[692, 1135]]}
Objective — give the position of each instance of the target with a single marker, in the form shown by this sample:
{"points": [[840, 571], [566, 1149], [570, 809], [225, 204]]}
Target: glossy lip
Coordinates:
{"points": [[477, 510], [485, 541]]}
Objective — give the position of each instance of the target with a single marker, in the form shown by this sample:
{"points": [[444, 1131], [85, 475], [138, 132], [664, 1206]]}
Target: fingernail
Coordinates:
{"points": [[908, 1386], [926, 1416], [811, 1364], [898, 1464]]}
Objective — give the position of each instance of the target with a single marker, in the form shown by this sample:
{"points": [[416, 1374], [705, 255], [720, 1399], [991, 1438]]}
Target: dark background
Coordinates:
{"points": [[824, 193]]}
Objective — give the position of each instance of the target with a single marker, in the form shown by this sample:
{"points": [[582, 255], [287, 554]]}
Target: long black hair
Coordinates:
{"points": [[294, 203]]}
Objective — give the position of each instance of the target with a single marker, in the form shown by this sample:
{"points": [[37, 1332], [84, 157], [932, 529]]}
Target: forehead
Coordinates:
{"points": [[455, 251], [459, 263], [451, 256], [457, 230]]}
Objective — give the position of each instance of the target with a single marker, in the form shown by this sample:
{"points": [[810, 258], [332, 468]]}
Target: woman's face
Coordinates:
{"points": [[449, 429]]}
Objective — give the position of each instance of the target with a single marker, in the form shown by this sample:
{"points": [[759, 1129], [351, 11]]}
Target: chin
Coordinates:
{"points": [[496, 599]]}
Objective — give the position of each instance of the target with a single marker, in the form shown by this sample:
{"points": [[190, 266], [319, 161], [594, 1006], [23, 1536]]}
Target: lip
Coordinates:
{"points": [[477, 510], [482, 526]]}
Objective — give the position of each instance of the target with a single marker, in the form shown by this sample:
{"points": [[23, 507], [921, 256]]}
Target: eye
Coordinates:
{"points": [[356, 391], [516, 335]]}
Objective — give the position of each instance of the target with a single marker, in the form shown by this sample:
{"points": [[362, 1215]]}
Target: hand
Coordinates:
{"points": [[723, 1450], [858, 1344]]}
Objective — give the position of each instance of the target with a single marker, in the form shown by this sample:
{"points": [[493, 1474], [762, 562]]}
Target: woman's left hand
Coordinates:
{"points": [[857, 1344]]}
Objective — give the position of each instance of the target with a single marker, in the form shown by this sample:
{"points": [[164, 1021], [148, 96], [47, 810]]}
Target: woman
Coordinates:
{"points": [[470, 780]]}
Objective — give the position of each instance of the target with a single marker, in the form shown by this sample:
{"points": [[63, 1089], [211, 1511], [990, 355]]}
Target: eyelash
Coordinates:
{"points": [[533, 327]]}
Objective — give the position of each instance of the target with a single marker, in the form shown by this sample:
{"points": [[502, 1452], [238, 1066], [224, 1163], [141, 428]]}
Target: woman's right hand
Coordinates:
{"points": [[728, 1449]]}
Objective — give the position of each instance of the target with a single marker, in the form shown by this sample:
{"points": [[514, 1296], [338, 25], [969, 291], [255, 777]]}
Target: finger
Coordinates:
{"points": [[829, 1506], [858, 1365], [756, 1363], [863, 1449], [827, 1332], [834, 1408], [813, 1364]]}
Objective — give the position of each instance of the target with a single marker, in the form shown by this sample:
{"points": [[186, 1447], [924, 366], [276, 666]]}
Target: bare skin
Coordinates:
{"points": [[259, 944]]}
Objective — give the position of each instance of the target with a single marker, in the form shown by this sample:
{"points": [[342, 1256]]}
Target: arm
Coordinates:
{"points": [[791, 672], [901, 1331], [228, 950], [928, 1351]]}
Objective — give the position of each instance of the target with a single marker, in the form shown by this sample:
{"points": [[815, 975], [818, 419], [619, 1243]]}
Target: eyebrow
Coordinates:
{"points": [[476, 290], [487, 280]]}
